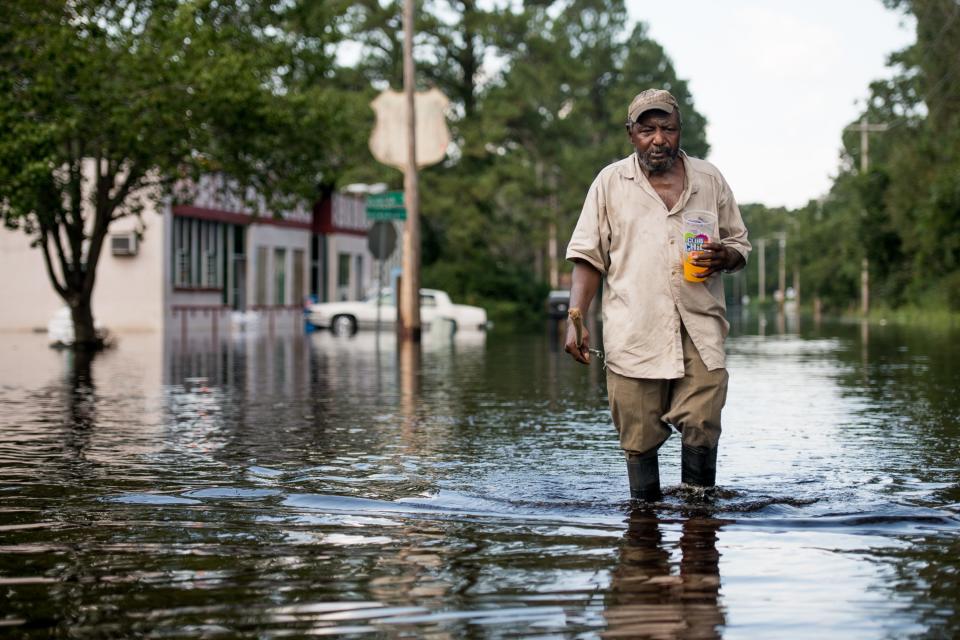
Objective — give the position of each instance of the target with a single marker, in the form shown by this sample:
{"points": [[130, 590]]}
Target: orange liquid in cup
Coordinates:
{"points": [[691, 272], [693, 242]]}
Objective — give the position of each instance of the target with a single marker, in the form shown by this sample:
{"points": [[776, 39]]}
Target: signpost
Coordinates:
{"points": [[410, 132], [382, 237]]}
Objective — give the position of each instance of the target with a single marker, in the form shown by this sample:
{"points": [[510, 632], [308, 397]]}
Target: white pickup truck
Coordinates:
{"points": [[345, 318]]}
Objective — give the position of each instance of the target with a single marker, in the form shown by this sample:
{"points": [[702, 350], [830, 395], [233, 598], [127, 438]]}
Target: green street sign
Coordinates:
{"points": [[386, 214], [385, 200], [386, 206]]}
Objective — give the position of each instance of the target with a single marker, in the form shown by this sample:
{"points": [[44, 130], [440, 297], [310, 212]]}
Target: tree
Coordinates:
{"points": [[904, 213], [106, 102], [561, 107], [539, 94]]}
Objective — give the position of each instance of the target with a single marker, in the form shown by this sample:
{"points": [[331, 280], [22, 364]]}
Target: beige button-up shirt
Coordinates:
{"points": [[626, 232]]}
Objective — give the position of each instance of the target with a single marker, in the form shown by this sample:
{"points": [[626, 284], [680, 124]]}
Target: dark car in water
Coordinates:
{"points": [[558, 302]]}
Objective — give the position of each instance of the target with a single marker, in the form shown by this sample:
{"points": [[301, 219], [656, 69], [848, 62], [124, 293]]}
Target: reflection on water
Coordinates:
{"points": [[295, 485], [649, 597]]}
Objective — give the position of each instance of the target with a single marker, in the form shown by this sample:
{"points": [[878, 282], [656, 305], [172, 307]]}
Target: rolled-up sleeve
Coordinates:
{"points": [[590, 241], [733, 233]]}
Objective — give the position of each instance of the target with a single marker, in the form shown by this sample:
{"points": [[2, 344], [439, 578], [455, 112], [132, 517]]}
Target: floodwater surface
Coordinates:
{"points": [[314, 485]]}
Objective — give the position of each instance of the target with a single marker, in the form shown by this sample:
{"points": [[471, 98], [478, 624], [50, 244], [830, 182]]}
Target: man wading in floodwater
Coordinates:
{"points": [[662, 334]]}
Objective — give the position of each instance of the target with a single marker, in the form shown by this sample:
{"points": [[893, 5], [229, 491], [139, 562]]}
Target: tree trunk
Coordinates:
{"points": [[84, 334]]}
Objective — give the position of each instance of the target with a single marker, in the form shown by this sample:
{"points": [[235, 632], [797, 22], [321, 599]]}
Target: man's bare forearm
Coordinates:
{"points": [[585, 282]]}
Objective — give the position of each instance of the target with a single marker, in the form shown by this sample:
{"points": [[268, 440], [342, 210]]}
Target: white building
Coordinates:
{"points": [[211, 266]]}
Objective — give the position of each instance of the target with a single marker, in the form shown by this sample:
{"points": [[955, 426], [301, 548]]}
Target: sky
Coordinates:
{"points": [[778, 80]]}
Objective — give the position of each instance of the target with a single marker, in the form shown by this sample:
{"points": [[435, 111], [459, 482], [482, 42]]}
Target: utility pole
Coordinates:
{"points": [[762, 268], [545, 183], [552, 252], [865, 128], [782, 268], [552, 232], [796, 285], [409, 326]]}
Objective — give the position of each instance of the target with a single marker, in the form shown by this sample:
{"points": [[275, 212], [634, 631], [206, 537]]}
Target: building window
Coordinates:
{"points": [[280, 277], [297, 277], [343, 270], [316, 270], [181, 252], [261, 277], [238, 267], [210, 236], [198, 253], [343, 276], [359, 279]]}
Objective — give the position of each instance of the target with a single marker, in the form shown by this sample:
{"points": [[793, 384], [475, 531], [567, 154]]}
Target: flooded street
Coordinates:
{"points": [[316, 485]]}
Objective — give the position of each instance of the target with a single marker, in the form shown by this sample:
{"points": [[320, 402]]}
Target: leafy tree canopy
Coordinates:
{"points": [[540, 92], [100, 100]]}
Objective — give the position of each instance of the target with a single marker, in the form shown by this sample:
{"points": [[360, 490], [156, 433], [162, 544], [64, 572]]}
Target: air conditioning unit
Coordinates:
{"points": [[123, 244]]}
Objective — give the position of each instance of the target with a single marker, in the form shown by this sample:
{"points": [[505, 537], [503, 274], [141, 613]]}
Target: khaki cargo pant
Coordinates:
{"points": [[643, 409]]}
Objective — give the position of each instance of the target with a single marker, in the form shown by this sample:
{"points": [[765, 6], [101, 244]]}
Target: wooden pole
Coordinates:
{"points": [[552, 230], [865, 128], [782, 269], [762, 269], [409, 307], [796, 285], [865, 286]]}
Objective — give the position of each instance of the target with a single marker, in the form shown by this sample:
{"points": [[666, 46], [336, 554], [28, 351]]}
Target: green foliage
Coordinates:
{"points": [[903, 214], [539, 94], [155, 90], [102, 100]]}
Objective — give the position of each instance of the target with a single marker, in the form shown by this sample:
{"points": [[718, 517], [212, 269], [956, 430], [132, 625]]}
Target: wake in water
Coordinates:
{"points": [[740, 507], [710, 501]]}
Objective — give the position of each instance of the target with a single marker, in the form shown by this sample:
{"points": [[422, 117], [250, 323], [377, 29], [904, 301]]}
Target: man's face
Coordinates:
{"points": [[656, 137]]}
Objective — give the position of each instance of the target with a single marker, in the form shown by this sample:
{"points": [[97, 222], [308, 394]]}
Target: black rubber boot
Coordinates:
{"points": [[698, 466], [643, 471]]}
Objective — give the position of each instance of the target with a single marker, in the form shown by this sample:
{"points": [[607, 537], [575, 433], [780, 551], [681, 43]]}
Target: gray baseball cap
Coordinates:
{"points": [[648, 99]]}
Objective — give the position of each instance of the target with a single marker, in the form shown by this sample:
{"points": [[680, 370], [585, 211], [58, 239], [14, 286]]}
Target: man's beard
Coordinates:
{"points": [[662, 164]]}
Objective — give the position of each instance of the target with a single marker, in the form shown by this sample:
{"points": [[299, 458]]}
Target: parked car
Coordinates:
{"points": [[558, 303], [345, 318]]}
